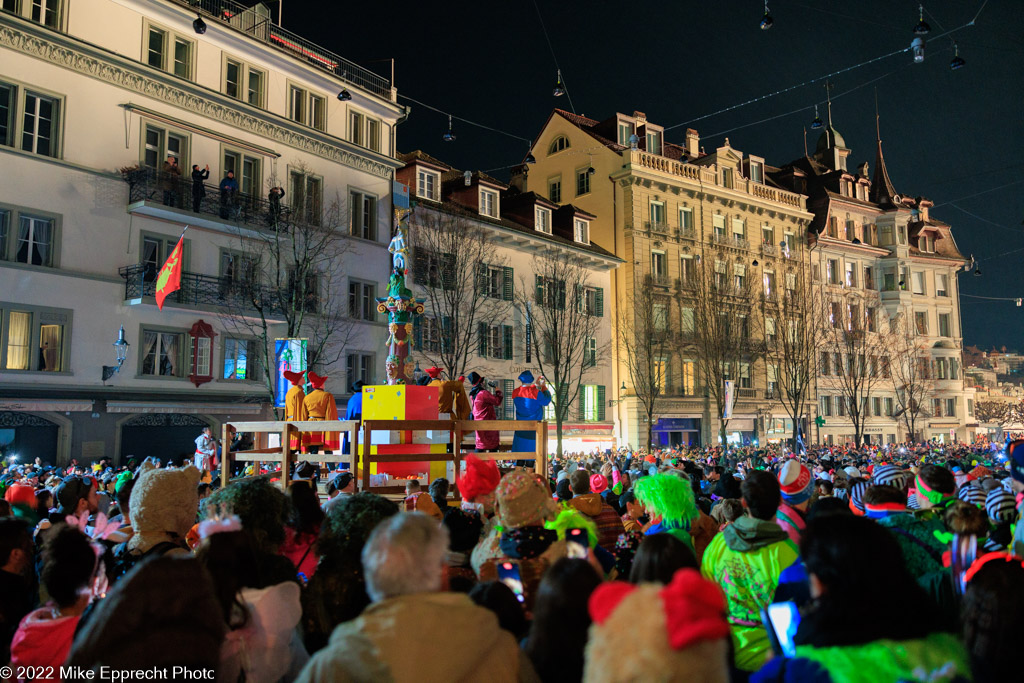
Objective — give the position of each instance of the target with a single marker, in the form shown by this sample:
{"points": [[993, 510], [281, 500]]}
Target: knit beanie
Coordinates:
{"points": [[975, 495], [888, 475], [857, 498], [523, 500], [1000, 506], [1015, 456], [795, 482]]}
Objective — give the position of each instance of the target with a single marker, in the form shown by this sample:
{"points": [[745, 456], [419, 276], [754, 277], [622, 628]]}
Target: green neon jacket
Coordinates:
{"points": [[936, 658]]}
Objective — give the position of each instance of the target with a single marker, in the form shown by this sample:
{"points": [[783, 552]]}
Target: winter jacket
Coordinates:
{"points": [[484, 404], [791, 520], [43, 640], [397, 640], [915, 533], [746, 560], [609, 526], [301, 550]]}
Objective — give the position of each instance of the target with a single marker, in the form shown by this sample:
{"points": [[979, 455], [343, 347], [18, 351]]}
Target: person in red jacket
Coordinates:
{"points": [[484, 406]]}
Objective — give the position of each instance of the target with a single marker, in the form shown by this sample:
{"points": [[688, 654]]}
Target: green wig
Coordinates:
{"points": [[571, 518], [667, 496]]}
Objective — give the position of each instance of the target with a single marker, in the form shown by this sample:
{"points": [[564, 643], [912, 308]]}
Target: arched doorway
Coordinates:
{"points": [[170, 437], [29, 437]]}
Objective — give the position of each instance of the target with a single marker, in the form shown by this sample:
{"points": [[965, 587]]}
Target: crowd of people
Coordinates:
{"points": [[899, 563]]}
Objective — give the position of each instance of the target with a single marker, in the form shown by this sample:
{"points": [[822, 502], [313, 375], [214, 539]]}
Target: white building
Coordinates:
{"points": [[521, 225], [88, 87]]}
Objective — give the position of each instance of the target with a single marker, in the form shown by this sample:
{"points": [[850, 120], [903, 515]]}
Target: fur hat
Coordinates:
{"points": [[1001, 506], [686, 639], [524, 500], [795, 482], [163, 505], [480, 479]]}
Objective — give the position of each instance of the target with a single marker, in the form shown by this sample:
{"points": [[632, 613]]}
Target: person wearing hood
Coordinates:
{"points": [[484, 406], [587, 500], [746, 560], [395, 638]]}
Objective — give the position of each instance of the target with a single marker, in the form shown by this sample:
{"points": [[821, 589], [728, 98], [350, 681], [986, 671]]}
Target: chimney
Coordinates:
{"points": [[517, 180], [692, 143], [862, 170]]}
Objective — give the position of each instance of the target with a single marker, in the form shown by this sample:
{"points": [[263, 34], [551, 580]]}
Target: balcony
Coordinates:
{"points": [[659, 279], [730, 241], [742, 392], [656, 227], [254, 23], [205, 292], [165, 195], [686, 233], [769, 249]]}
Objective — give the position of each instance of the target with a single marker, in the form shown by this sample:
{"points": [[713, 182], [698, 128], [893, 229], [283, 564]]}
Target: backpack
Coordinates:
{"points": [[125, 559]]}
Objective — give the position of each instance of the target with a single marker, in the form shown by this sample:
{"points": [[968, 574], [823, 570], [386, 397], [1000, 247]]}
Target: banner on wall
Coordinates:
{"points": [[290, 355], [730, 398]]}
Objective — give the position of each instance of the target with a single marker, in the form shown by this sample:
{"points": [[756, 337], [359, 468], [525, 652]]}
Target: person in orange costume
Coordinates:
{"points": [[451, 395], [320, 406], [294, 409]]}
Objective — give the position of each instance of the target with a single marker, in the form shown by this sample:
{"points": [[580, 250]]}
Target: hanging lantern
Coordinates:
{"points": [[917, 49], [957, 62], [922, 27]]}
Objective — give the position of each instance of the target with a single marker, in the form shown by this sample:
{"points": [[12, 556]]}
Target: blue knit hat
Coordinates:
{"points": [[1000, 505], [526, 377]]}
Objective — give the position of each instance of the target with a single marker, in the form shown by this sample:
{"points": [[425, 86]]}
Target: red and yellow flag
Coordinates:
{"points": [[169, 278]]}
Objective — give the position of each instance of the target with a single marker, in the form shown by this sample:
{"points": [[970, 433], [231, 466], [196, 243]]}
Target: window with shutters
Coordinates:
{"points": [[431, 269], [592, 301], [507, 405], [590, 353], [494, 341], [496, 282], [550, 292], [428, 333], [592, 403]]}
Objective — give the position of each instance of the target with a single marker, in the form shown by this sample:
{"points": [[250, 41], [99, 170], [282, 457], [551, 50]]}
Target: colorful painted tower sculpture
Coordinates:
{"points": [[399, 304]]}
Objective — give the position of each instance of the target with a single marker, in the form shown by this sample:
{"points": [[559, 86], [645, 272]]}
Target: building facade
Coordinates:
{"points": [[88, 87], [521, 230], [662, 208], [884, 274]]}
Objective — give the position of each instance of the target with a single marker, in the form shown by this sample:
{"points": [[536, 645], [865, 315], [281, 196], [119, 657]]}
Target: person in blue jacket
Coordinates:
{"points": [[529, 401], [353, 410]]}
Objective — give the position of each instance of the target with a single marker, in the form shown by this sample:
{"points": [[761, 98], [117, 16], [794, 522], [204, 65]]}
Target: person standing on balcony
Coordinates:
{"points": [[228, 195], [276, 193], [170, 177], [198, 188]]}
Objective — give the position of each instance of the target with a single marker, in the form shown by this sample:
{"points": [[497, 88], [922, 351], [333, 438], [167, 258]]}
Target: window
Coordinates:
{"points": [[739, 275], [654, 142], [769, 284], [686, 220], [45, 12], [825, 407], [659, 270], [373, 134], [488, 203], [625, 130], [926, 243], [362, 303], [769, 330], [954, 368], [582, 181], [832, 271], [255, 87], [558, 144], [236, 359], [542, 220], [718, 223], [870, 315], [901, 233], [238, 270], [161, 353], [248, 172], [34, 244], [308, 108], [363, 208], [39, 125], [937, 407], [427, 183], [35, 339], [885, 366], [767, 235], [921, 322], [970, 407], [851, 274], [154, 252], [851, 229], [592, 403], [756, 171], [888, 406], [687, 268], [944, 325], [307, 197], [840, 406], [581, 231], [687, 319], [727, 178], [772, 379], [356, 123], [941, 285], [738, 229], [903, 278], [233, 78], [876, 406], [951, 407], [433, 270], [494, 341], [941, 368], [169, 52], [160, 143], [917, 277], [590, 352], [720, 274], [688, 377], [657, 215], [549, 292], [555, 189], [359, 367], [496, 282], [659, 315], [885, 237], [869, 277], [244, 82], [824, 365], [306, 289], [834, 315]]}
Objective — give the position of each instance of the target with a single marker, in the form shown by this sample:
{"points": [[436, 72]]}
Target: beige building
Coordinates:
{"points": [[878, 258], [91, 86], [659, 206]]}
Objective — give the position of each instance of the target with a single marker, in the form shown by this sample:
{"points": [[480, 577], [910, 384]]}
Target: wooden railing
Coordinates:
{"points": [[283, 453]]}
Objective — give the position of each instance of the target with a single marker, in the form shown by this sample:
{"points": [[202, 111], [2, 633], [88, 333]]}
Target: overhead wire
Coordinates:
{"points": [[544, 28]]}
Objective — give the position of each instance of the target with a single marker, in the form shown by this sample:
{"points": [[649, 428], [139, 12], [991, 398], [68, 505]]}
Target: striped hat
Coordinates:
{"points": [[913, 503], [975, 495], [888, 475], [795, 482], [1000, 506], [857, 498]]}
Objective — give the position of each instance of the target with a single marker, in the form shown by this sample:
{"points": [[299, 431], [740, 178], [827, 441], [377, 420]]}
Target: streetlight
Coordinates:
{"points": [[121, 352]]}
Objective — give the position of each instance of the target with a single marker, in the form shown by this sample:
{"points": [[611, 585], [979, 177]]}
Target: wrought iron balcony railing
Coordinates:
{"points": [[255, 23]]}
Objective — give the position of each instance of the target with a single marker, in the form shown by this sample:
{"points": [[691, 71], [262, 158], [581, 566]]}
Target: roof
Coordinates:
{"points": [[882, 191], [419, 155], [588, 126]]}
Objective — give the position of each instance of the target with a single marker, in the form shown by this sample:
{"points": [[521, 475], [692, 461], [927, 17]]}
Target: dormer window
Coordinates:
{"points": [[625, 131], [757, 171], [727, 178], [488, 203], [654, 142], [427, 184], [926, 243], [581, 231], [542, 220], [558, 144]]}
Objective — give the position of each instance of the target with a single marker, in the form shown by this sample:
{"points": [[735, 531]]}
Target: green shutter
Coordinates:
{"points": [[481, 340], [419, 267], [600, 401], [448, 271], [599, 306], [481, 279], [561, 295], [446, 334], [539, 289], [508, 283], [581, 403], [507, 387], [417, 332], [507, 331]]}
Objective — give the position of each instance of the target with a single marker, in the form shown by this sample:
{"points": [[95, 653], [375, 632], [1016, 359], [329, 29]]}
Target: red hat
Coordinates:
{"points": [[481, 478], [316, 380], [296, 378], [433, 372], [598, 483], [20, 494]]}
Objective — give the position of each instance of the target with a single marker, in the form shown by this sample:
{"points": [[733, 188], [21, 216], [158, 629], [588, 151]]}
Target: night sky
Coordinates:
{"points": [[946, 135]]}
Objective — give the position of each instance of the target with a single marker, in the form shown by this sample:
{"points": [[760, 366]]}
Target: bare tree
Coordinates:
{"points": [[791, 335], [911, 375], [723, 297], [467, 287], [1001, 413], [645, 342], [286, 281], [560, 307], [855, 351]]}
